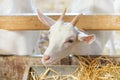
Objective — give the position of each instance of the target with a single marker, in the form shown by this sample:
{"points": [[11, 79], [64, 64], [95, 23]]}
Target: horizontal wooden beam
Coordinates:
{"points": [[86, 22]]}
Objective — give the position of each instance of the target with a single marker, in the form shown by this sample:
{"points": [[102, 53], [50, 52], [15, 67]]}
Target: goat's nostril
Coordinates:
{"points": [[46, 57]]}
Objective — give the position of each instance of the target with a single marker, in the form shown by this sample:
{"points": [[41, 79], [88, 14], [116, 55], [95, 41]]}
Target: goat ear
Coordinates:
{"points": [[86, 38], [45, 19]]}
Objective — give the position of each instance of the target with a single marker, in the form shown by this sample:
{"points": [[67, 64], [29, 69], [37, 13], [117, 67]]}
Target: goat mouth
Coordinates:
{"points": [[51, 61]]}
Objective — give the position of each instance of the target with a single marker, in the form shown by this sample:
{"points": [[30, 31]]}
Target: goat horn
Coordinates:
{"points": [[45, 19], [75, 20], [63, 14]]}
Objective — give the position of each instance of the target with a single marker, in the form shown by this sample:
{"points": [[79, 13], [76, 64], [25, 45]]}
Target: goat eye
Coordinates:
{"points": [[70, 41]]}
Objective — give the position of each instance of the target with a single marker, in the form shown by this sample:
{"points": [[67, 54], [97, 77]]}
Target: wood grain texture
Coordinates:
{"points": [[86, 22], [13, 67]]}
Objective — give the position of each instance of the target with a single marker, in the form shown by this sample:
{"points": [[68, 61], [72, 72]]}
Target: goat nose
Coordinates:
{"points": [[46, 57]]}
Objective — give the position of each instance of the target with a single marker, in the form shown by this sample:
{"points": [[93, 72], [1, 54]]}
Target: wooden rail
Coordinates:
{"points": [[86, 22]]}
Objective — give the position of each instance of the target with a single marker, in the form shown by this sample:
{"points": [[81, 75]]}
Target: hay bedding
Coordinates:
{"points": [[99, 68]]}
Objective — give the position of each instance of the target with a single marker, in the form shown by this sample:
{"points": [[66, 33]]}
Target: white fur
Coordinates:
{"points": [[58, 49], [60, 31], [17, 42]]}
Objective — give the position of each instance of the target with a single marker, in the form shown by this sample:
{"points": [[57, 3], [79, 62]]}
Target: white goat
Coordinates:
{"points": [[65, 39], [17, 42]]}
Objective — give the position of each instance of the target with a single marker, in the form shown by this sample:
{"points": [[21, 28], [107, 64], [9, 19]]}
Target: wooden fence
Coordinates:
{"points": [[86, 22]]}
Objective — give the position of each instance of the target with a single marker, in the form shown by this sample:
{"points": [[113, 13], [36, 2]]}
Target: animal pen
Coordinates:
{"points": [[17, 67]]}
